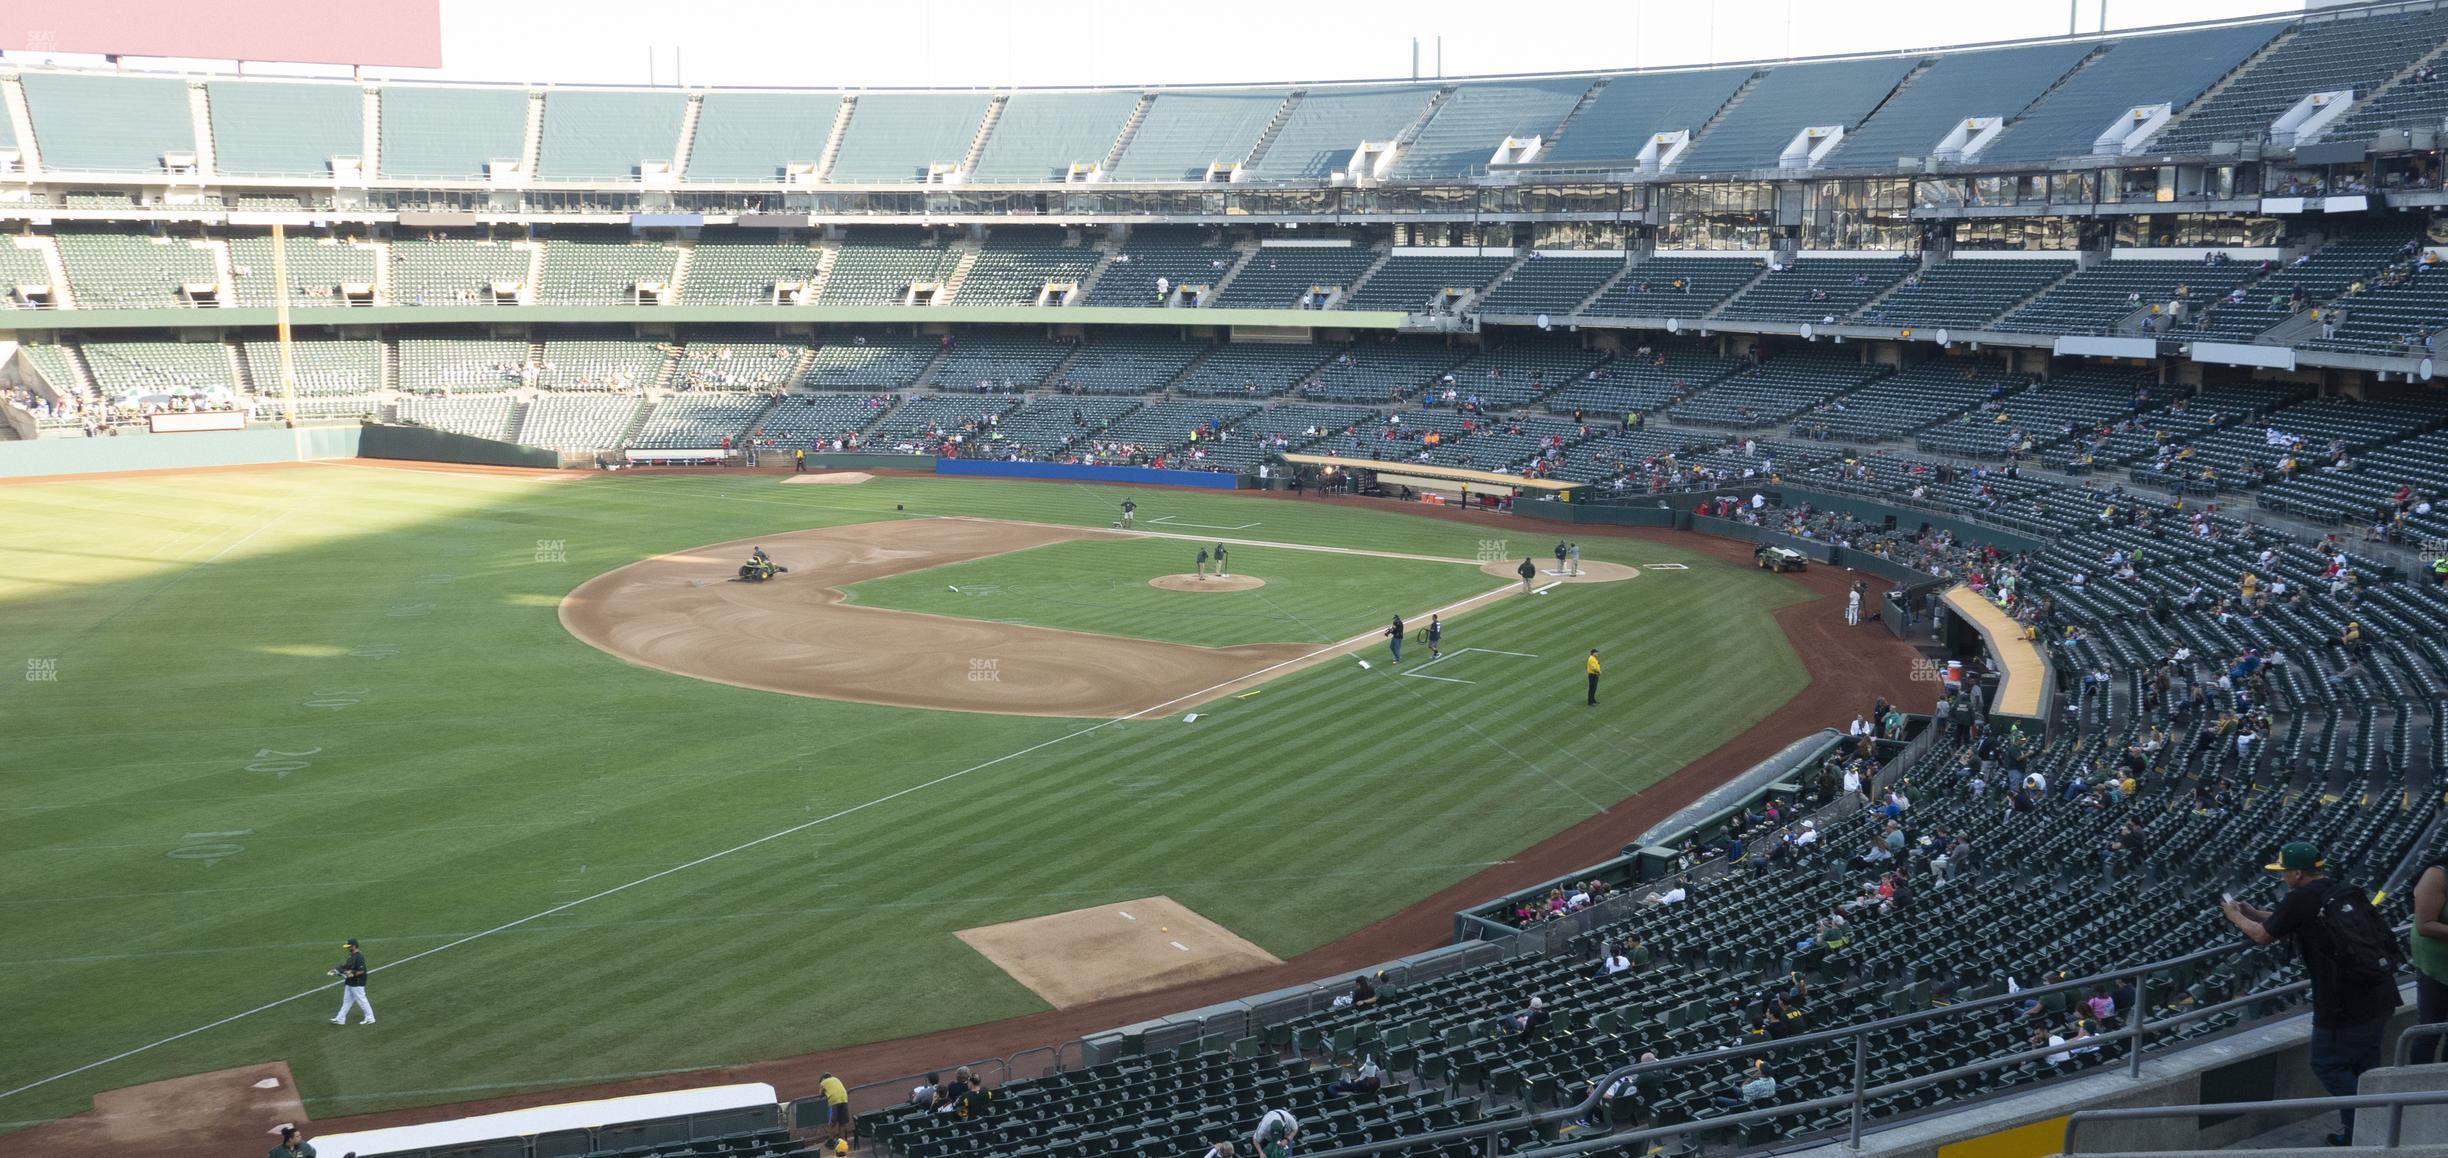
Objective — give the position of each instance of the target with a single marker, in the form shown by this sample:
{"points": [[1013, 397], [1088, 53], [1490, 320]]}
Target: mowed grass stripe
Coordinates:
{"points": [[492, 756]]}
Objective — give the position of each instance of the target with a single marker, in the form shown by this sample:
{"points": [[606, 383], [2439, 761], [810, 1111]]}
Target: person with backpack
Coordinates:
{"points": [[2351, 957]]}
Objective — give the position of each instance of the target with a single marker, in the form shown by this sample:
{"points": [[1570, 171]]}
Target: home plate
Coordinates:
{"points": [[1095, 953]]}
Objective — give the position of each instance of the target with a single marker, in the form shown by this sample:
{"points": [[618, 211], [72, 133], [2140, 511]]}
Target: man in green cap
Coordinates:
{"points": [[2351, 957]]}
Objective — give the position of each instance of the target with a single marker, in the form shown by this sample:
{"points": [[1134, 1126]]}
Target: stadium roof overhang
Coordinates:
{"points": [[1452, 474]]}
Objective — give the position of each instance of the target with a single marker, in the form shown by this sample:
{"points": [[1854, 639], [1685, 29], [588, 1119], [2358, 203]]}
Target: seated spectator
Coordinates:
{"points": [[1613, 962], [1756, 1088], [1362, 994], [1529, 1021], [923, 1094], [1363, 1079], [1618, 1098], [1274, 1134]]}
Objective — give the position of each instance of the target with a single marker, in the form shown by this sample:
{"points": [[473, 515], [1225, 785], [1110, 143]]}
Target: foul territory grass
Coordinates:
{"points": [[1101, 585], [260, 712]]}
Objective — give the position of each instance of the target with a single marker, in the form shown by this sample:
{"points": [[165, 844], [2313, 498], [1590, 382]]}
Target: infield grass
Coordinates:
{"points": [[264, 711], [1101, 585]]}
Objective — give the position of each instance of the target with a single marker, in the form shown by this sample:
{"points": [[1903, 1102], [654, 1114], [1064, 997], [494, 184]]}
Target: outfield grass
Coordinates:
{"points": [[1101, 585], [295, 706]]}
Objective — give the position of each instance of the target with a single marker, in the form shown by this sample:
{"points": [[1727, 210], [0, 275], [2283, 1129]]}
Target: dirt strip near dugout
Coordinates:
{"points": [[1847, 667]]}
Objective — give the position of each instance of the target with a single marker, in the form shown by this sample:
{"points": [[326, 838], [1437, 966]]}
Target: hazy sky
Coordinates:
{"points": [[827, 43]]}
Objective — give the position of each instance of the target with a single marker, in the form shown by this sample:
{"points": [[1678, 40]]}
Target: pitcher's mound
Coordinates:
{"points": [[1191, 582], [1590, 572], [1114, 950], [831, 478]]}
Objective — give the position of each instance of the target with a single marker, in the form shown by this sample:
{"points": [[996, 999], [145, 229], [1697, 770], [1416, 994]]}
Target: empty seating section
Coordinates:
{"points": [[600, 364], [160, 368], [1322, 131], [1178, 255], [1281, 277], [461, 365], [855, 364], [2366, 491], [1255, 369], [2381, 319], [480, 417], [748, 273], [800, 420], [943, 413], [1017, 264], [1954, 87], [1040, 135], [2170, 426], [324, 367], [999, 361], [2349, 53], [1417, 284], [698, 421], [1041, 429], [1964, 293], [577, 421], [261, 129], [2143, 71], [2320, 275], [2414, 102], [1184, 133], [450, 134], [1167, 423], [1381, 372], [1302, 424], [454, 271], [1773, 392], [603, 273], [1127, 364], [1753, 134], [1812, 290], [1551, 284], [22, 265], [1642, 382], [1474, 121], [2255, 450], [879, 267], [1675, 287], [899, 136], [2095, 300], [714, 364], [87, 123], [124, 271], [1518, 372], [1620, 121], [320, 269], [1909, 400], [56, 367], [2047, 413], [609, 136], [755, 137]]}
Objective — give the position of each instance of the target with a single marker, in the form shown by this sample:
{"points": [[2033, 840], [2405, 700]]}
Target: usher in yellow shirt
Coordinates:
{"points": [[1593, 665]]}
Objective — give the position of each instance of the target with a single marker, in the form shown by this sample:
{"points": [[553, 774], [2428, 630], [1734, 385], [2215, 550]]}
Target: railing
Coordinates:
{"points": [[2134, 1033], [2395, 1103]]}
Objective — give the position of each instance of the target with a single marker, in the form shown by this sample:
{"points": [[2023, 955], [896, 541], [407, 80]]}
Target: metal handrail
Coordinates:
{"points": [[2136, 1031], [2396, 1104], [2406, 1040]]}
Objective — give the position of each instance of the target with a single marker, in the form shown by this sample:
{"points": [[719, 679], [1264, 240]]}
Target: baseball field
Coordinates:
{"points": [[597, 810]]}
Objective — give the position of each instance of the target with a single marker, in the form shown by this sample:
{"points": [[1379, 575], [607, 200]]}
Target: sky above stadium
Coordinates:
{"points": [[997, 42]]}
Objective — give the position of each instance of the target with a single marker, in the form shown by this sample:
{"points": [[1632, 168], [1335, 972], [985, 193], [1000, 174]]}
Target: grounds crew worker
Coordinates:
{"points": [[2350, 954], [1593, 675], [352, 975], [1528, 571], [1129, 508], [1220, 573]]}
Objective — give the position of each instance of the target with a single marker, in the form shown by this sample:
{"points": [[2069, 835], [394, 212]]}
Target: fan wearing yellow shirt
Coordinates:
{"points": [[837, 1108]]}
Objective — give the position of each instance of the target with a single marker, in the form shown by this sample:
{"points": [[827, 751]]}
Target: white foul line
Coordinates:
{"points": [[803, 826]]}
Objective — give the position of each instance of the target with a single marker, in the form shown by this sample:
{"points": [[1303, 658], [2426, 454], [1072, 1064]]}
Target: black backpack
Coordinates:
{"points": [[2355, 938]]}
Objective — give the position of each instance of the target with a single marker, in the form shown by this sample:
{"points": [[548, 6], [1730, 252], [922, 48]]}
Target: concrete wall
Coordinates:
{"points": [[250, 447]]}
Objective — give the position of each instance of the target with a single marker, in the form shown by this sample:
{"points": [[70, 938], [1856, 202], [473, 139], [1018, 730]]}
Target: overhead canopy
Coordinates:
{"points": [[1455, 474]]}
